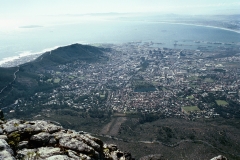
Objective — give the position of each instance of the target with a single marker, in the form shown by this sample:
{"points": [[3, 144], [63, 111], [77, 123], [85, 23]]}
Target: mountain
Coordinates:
{"points": [[64, 55], [26, 79], [6, 76]]}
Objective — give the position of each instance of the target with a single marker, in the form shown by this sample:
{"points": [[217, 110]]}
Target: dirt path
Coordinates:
{"points": [[113, 127], [106, 128]]}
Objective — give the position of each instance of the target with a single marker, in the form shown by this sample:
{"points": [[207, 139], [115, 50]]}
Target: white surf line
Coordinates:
{"points": [[199, 25]]}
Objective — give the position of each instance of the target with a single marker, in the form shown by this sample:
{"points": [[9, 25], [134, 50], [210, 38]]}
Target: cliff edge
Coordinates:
{"points": [[46, 140], [38, 140]]}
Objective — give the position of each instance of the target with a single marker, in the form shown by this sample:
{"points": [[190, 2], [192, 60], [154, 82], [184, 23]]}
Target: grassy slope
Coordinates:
{"points": [[6, 76], [220, 133], [27, 81]]}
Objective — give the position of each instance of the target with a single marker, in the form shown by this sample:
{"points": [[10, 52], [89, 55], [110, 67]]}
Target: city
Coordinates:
{"points": [[139, 78]]}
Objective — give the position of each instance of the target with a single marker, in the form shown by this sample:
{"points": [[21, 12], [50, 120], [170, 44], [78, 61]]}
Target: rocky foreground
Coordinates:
{"points": [[45, 140], [40, 139]]}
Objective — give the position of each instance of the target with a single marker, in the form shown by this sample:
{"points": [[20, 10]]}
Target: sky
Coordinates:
{"points": [[16, 12]]}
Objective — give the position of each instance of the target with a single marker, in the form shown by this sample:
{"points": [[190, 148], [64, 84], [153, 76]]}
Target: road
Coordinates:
{"points": [[10, 83]]}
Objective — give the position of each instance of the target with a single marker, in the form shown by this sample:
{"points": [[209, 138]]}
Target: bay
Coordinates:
{"points": [[26, 41]]}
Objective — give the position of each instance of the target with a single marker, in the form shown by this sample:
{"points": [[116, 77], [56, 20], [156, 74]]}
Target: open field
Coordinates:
{"points": [[57, 80], [232, 64], [221, 102], [190, 108], [190, 97], [209, 80]]}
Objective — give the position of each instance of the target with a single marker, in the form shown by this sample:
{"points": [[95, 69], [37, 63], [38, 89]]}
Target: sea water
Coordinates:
{"points": [[26, 41]]}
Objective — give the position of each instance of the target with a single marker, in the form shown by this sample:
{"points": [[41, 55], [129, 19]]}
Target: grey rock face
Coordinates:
{"points": [[45, 140], [3, 137], [45, 152], [1, 131], [220, 157], [59, 157], [74, 144], [11, 126], [22, 144], [26, 154], [6, 152], [41, 138]]}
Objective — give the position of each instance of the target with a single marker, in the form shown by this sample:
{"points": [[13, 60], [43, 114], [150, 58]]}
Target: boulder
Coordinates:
{"points": [[27, 154], [52, 141], [219, 157], [22, 144], [41, 138], [76, 145], [112, 147], [11, 126], [6, 152], [45, 152], [3, 137], [90, 142], [59, 157], [1, 131], [46, 140]]}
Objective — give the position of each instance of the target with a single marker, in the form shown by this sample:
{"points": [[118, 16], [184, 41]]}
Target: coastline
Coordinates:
{"points": [[24, 55], [27, 56], [201, 25]]}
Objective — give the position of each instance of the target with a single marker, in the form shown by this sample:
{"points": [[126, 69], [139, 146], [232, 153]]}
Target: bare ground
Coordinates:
{"points": [[112, 128]]}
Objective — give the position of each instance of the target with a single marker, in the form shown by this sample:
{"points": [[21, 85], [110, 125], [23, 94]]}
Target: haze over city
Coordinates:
{"points": [[17, 13], [156, 79]]}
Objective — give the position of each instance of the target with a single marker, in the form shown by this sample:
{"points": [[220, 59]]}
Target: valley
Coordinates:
{"points": [[145, 99]]}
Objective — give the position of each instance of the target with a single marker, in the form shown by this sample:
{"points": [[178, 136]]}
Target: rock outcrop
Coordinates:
{"points": [[220, 157], [153, 157], [46, 140]]}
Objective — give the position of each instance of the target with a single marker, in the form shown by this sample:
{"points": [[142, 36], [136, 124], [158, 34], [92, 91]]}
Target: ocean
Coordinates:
{"points": [[38, 39]]}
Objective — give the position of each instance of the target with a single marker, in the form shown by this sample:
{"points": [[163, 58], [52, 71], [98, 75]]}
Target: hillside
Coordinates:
{"points": [[64, 55], [27, 79], [40, 140], [6, 76]]}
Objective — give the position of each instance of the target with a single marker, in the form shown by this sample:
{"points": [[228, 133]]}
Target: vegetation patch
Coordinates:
{"points": [[209, 80], [57, 80], [190, 108], [193, 78], [102, 95], [221, 102], [190, 97], [49, 80]]}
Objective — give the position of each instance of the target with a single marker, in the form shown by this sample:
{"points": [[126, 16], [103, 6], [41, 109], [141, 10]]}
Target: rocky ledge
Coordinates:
{"points": [[46, 140], [38, 140]]}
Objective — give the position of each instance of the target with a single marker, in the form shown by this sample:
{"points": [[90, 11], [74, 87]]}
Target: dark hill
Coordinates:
{"points": [[28, 75], [66, 54], [6, 76]]}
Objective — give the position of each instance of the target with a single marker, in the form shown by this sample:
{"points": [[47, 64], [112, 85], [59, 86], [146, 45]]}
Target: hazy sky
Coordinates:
{"points": [[43, 7], [19, 12]]}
